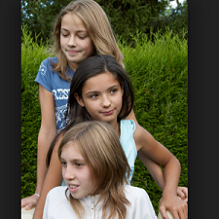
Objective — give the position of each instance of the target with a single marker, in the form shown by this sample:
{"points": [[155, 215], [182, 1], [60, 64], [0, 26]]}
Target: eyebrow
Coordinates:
{"points": [[73, 160], [91, 92], [78, 31]]}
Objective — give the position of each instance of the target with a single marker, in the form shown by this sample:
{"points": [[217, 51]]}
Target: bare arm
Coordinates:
{"points": [[46, 135], [147, 146], [154, 169], [53, 178]]}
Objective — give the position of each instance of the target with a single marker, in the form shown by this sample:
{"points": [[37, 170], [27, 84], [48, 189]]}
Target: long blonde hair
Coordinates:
{"points": [[98, 27], [100, 146]]}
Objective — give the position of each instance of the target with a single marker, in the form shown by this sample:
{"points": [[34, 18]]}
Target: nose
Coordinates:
{"points": [[106, 102], [72, 41], [68, 173]]}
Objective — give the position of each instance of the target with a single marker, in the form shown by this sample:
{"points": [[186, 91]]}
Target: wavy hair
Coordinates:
{"points": [[98, 27], [99, 144]]}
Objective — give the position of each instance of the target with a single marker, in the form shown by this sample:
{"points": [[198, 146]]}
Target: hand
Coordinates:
{"points": [[177, 207], [182, 192], [29, 202]]}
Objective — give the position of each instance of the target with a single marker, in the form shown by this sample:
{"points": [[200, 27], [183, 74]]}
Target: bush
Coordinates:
{"points": [[159, 73], [32, 55]]}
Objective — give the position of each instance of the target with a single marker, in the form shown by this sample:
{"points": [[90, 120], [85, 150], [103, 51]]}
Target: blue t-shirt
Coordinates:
{"points": [[59, 87]]}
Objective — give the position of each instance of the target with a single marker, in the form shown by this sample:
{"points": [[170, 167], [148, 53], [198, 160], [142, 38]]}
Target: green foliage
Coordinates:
{"points": [[159, 72], [32, 55], [176, 20], [39, 16], [126, 16]]}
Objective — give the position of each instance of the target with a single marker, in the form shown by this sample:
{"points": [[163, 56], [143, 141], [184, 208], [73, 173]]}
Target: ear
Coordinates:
{"points": [[79, 100]]}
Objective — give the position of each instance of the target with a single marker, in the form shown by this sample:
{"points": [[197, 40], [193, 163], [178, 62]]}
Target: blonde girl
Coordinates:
{"points": [[95, 168]]}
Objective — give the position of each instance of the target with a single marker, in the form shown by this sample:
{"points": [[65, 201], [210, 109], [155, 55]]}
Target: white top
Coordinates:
{"points": [[58, 207]]}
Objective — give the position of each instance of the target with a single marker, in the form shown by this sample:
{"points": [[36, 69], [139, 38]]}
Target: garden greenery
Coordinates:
{"points": [[159, 72]]}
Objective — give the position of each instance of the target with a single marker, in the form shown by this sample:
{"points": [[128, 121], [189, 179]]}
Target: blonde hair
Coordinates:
{"points": [[100, 146], [99, 30]]}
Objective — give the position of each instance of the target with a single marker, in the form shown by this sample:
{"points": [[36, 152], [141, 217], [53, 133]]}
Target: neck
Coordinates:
{"points": [[73, 66], [116, 127]]}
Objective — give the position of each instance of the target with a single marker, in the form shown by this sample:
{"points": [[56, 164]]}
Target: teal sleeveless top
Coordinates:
{"points": [[127, 128]]}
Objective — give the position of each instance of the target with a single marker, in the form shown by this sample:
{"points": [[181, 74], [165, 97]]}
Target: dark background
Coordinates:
{"points": [[203, 108]]}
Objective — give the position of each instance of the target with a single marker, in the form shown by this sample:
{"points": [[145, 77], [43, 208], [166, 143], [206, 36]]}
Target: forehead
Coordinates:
{"points": [[72, 21], [101, 81], [71, 151]]}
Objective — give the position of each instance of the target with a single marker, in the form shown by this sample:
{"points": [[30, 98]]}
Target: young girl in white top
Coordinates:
{"points": [[95, 169]]}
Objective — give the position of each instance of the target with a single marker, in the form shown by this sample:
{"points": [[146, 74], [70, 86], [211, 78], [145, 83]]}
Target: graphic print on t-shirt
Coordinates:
{"points": [[60, 116], [42, 69]]}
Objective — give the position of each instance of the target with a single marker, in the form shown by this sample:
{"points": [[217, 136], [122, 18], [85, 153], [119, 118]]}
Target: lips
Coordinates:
{"points": [[73, 187], [72, 52], [109, 112]]}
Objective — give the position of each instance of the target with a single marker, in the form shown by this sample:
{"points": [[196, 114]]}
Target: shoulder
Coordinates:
{"points": [[56, 196], [46, 63], [142, 137], [50, 60], [57, 205], [128, 124], [57, 192], [141, 206], [135, 192]]}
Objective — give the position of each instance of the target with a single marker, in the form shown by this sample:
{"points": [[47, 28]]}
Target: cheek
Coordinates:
{"points": [[92, 107], [62, 41], [63, 172], [89, 47], [119, 98]]}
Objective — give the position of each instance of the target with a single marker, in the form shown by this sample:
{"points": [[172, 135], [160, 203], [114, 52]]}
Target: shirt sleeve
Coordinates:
{"points": [[143, 207], [44, 76]]}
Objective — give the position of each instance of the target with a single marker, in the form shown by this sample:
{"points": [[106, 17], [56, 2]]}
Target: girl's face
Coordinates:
{"points": [[102, 97], [75, 42], [76, 173]]}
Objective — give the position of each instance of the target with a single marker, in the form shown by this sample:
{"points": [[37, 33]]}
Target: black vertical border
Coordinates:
{"points": [[203, 108], [10, 89]]}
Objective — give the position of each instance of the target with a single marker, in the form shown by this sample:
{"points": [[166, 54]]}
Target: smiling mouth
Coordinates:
{"points": [[108, 112], [72, 52], [73, 186]]}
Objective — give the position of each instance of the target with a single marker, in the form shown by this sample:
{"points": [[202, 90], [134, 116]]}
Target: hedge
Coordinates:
{"points": [[159, 72]]}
